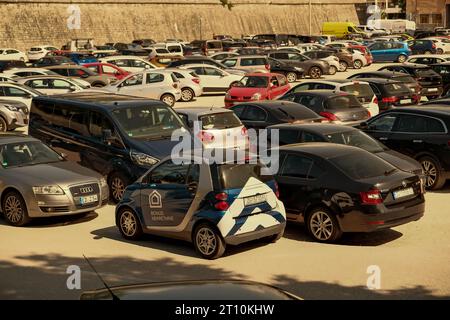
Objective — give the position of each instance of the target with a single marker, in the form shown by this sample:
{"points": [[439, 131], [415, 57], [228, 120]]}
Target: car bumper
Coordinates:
{"points": [[357, 221], [254, 235], [431, 91]]}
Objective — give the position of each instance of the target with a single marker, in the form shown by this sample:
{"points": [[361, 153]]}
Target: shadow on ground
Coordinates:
{"points": [[47, 280], [57, 221]]}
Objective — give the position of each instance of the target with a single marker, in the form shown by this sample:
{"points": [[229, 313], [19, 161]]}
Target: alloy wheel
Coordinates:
{"points": [[315, 73], [321, 226], [13, 209], [430, 171], [187, 95], [291, 77], [117, 188], [128, 223], [206, 241], [168, 99]]}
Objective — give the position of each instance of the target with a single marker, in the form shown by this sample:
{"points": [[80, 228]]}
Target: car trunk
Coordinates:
{"points": [[428, 78], [346, 108]]}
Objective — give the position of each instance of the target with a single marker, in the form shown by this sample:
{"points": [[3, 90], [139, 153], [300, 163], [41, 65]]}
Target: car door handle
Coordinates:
{"points": [[417, 141]]}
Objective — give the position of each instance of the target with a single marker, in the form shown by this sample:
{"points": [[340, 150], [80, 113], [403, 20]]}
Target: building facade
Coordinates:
{"points": [[429, 14]]}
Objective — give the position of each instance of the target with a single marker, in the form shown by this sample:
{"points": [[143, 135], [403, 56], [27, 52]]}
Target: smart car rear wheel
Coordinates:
{"points": [[291, 77], [129, 225], [323, 226], [433, 174], [15, 209], [3, 125], [168, 99], [187, 94], [208, 242], [117, 185]]}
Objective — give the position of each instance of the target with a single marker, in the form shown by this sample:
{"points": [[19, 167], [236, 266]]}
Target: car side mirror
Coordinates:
{"points": [[363, 126]]}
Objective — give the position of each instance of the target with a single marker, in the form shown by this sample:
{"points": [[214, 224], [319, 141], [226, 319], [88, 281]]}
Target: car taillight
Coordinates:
{"points": [[277, 190], [222, 196], [433, 46], [222, 203], [267, 67], [244, 131], [390, 99], [206, 136], [371, 197], [369, 114], [329, 116], [196, 80]]}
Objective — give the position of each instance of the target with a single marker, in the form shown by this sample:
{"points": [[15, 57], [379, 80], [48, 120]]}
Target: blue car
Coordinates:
{"points": [[210, 205], [390, 51], [82, 58]]}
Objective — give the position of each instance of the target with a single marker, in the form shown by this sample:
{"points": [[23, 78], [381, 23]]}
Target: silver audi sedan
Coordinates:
{"points": [[35, 181]]}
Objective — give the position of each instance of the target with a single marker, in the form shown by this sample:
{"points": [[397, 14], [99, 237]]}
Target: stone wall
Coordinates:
{"points": [[24, 23]]}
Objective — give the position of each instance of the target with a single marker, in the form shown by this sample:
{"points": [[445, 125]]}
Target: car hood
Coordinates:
{"points": [[245, 91], [61, 173], [400, 161]]}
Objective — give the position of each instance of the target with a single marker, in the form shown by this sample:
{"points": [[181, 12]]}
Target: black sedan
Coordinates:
{"points": [[304, 133], [260, 114], [322, 185]]}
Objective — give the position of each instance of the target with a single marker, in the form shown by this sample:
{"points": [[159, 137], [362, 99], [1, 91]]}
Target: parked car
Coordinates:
{"points": [[406, 79], [119, 136], [327, 56], [204, 60], [429, 80], [291, 73], [442, 44], [390, 51], [37, 182], [27, 72], [251, 51], [144, 42], [190, 83], [429, 59], [12, 54], [11, 64], [419, 132], [313, 68], [52, 61], [7, 78], [130, 49], [422, 46], [80, 72], [248, 63], [51, 85], [107, 69], [345, 57], [159, 84], [360, 89], [37, 52], [443, 69], [223, 55], [128, 63], [213, 79], [13, 115], [261, 114], [323, 186], [17, 92], [81, 58], [392, 93], [162, 60], [217, 128]]}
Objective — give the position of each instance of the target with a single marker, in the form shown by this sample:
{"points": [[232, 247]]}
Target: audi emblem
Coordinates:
{"points": [[86, 190]]}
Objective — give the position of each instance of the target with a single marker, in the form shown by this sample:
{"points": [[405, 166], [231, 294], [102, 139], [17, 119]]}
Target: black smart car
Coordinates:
{"points": [[322, 185], [419, 132]]}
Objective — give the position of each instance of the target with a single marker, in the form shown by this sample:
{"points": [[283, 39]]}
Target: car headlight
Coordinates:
{"points": [[48, 190], [143, 159], [256, 96], [103, 182], [11, 108]]}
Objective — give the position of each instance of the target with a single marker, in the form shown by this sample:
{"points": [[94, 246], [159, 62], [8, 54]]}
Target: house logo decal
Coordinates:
{"points": [[155, 200]]}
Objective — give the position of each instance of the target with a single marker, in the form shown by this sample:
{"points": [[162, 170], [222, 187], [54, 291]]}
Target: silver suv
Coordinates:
{"points": [[13, 114]]}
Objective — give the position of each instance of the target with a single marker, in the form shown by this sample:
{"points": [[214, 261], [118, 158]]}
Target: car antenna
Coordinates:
{"points": [[114, 297]]}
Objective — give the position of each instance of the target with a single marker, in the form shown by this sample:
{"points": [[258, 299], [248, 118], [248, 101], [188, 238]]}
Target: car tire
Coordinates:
{"points": [[401, 58], [98, 85], [323, 226], [14, 209], [187, 94], [440, 51], [129, 225], [357, 64], [434, 179], [168, 99], [3, 125], [333, 70], [343, 66], [291, 77], [117, 184], [208, 242], [315, 72]]}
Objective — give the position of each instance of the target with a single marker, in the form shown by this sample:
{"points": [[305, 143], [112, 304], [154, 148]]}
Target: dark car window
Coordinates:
{"points": [[232, 176], [367, 166], [97, 123], [238, 111], [254, 113], [315, 103], [69, 119], [288, 136], [220, 121], [296, 166], [169, 173], [254, 82], [356, 138], [384, 123], [253, 62], [343, 102], [311, 137], [154, 77], [418, 124]]}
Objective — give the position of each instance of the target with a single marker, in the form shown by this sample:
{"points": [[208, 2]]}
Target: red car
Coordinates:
{"points": [[257, 86], [107, 69]]}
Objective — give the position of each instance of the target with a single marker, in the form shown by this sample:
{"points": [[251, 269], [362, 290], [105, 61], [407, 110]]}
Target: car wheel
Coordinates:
{"points": [[291, 77], [440, 51], [117, 185], [402, 58], [323, 226], [357, 64], [187, 94], [333, 70], [129, 225], [98, 85], [14, 209], [343, 66], [433, 173], [208, 242], [168, 99], [3, 125], [315, 72]]}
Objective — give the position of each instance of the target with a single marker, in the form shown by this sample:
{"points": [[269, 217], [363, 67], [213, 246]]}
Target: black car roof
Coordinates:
{"points": [[324, 150], [104, 101], [387, 74], [320, 128], [408, 66], [323, 93], [429, 109]]}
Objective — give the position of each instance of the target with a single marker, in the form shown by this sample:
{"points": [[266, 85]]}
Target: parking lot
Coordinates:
{"points": [[413, 259]]}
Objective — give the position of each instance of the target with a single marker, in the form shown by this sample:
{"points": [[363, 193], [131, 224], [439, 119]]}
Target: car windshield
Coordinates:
{"points": [[254, 82], [356, 138], [367, 166], [148, 122], [28, 153], [220, 121]]}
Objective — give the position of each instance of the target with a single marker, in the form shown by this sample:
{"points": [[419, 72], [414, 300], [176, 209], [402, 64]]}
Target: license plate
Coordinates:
{"points": [[88, 199], [433, 90], [250, 201], [403, 193], [405, 101]]}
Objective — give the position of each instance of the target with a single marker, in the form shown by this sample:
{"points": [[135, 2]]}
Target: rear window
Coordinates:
{"points": [[233, 176], [359, 90], [220, 121], [35, 49], [405, 79], [395, 88], [214, 45], [253, 62], [367, 166], [424, 72], [343, 102]]}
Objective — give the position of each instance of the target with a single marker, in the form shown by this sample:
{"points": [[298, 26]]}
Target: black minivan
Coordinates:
{"points": [[119, 136]]}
